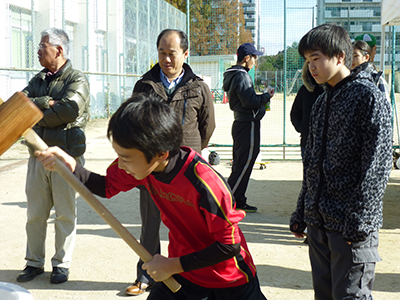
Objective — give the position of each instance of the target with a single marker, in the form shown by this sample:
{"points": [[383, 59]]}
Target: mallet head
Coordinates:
{"points": [[17, 115]]}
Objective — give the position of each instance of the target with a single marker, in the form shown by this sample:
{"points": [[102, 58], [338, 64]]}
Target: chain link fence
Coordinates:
{"points": [[114, 44]]}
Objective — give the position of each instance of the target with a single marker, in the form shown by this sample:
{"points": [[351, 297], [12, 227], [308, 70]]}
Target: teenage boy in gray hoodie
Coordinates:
{"points": [[347, 163]]}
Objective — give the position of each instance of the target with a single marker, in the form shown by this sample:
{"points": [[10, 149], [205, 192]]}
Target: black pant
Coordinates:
{"points": [[149, 236], [191, 291], [246, 146]]}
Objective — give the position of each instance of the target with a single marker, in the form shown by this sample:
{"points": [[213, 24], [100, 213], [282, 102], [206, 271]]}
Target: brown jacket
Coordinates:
{"points": [[191, 100]]}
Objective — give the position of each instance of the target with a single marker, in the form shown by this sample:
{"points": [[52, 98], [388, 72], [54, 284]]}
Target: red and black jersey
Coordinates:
{"points": [[196, 205]]}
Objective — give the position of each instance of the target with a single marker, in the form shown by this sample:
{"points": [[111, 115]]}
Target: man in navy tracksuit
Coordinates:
{"points": [[249, 109]]}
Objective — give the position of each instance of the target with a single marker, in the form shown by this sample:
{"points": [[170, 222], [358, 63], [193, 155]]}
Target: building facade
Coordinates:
{"points": [[251, 10], [112, 41], [358, 17]]}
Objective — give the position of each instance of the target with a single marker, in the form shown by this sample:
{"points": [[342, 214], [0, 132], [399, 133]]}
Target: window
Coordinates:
{"points": [[101, 14], [367, 26], [100, 53], [22, 48], [377, 11], [69, 29], [335, 12]]}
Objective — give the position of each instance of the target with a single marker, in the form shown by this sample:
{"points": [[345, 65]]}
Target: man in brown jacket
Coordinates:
{"points": [[174, 81]]}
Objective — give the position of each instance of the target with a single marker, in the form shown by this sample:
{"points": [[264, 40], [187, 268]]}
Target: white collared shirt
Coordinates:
{"points": [[170, 84]]}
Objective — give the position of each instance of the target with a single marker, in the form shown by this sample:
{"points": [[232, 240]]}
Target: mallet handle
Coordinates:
{"points": [[35, 141]]}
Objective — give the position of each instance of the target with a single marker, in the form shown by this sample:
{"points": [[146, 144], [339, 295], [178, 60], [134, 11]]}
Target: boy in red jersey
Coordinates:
{"points": [[208, 254]]}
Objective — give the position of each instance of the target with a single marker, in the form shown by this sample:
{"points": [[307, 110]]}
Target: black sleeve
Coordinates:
{"points": [[296, 113], [96, 183], [211, 255]]}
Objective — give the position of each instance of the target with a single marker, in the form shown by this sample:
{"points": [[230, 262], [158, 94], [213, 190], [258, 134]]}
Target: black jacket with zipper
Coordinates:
{"points": [[63, 124], [246, 105]]}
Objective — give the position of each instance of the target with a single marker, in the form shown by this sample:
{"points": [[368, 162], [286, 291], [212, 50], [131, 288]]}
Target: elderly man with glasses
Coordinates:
{"points": [[62, 94]]}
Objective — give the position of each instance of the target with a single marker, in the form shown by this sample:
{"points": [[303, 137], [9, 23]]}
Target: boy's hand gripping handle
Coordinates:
{"points": [[35, 141]]}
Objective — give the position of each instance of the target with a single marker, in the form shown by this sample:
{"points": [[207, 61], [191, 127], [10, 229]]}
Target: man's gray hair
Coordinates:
{"points": [[58, 37]]}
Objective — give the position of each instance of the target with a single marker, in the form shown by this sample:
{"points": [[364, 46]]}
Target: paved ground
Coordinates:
{"points": [[103, 265]]}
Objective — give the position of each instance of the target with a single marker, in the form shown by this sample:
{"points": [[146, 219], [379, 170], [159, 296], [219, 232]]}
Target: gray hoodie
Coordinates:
{"points": [[347, 160]]}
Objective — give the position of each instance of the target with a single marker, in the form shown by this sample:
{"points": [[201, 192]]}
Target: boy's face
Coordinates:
{"points": [[134, 162], [250, 63], [323, 68]]}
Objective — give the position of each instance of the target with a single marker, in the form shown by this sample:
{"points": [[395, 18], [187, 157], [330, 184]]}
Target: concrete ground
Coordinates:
{"points": [[103, 264]]}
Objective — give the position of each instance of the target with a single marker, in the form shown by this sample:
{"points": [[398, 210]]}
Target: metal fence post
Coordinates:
{"points": [[284, 75]]}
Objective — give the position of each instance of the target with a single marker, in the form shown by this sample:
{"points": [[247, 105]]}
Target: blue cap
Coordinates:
{"points": [[247, 49]]}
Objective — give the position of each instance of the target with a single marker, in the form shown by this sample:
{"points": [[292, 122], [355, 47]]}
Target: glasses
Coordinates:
{"points": [[42, 46]]}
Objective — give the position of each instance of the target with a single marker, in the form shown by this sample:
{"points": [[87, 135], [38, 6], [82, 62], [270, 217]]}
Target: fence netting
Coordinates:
{"points": [[114, 43]]}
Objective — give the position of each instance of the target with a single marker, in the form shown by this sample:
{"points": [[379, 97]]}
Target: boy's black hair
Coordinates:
{"points": [[330, 39], [147, 123], [182, 36]]}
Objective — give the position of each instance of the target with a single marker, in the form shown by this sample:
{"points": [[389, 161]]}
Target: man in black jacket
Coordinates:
{"points": [[249, 109]]}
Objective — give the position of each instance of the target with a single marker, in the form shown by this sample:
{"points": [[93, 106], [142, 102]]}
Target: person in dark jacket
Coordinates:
{"points": [[62, 94], [190, 97], [347, 163], [362, 60], [301, 108], [248, 110]]}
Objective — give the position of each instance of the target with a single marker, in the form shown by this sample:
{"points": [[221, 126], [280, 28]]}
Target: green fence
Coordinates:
{"points": [[114, 43], [276, 27]]}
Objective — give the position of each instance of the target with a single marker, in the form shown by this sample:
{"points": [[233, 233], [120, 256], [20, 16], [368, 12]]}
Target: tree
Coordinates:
{"points": [[200, 23], [275, 62], [216, 26], [179, 4], [268, 64], [294, 60]]}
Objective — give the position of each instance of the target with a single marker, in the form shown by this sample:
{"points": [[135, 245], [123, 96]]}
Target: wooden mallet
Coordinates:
{"points": [[17, 116]]}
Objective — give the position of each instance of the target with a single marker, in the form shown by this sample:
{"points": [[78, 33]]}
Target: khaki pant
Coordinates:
{"points": [[44, 190]]}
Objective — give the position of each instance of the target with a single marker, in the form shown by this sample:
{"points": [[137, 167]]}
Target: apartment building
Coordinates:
{"points": [[113, 42], [251, 10], [358, 17]]}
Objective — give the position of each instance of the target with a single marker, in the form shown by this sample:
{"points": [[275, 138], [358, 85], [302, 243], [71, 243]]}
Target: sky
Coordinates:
{"points": [[299, 20]]}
